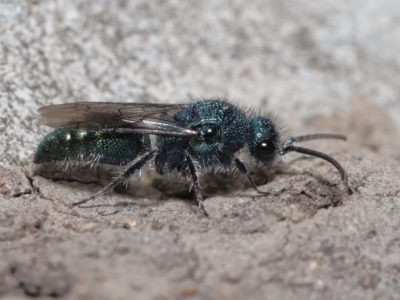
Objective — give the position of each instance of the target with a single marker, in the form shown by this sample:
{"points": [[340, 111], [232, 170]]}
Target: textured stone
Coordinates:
{"points": [[331, 67]]}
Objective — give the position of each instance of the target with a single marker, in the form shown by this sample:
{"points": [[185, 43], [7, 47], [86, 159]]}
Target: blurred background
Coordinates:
{"points": [[331, 66]]}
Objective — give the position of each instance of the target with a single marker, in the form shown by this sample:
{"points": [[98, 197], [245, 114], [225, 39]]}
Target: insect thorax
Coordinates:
{"points": [[222, 131]]}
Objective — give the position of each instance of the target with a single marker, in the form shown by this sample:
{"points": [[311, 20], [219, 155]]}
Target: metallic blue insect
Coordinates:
{"points": [[206, 134]]}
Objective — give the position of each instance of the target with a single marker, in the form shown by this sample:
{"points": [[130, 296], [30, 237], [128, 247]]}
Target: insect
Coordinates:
{"points": [[206, 134]]}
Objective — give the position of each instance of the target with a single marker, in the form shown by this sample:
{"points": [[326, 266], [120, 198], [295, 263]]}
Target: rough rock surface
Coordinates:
{"points": [[331, 67]]}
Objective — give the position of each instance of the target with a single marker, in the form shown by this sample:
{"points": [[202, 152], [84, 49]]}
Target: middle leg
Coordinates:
{"points": [[190, 169]]}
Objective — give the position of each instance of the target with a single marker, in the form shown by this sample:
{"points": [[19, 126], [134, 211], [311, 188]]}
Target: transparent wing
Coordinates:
{"points": [[151, 118]]}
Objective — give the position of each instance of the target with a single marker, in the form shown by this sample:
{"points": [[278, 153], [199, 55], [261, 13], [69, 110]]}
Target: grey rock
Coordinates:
{"points": [[331, 67]]}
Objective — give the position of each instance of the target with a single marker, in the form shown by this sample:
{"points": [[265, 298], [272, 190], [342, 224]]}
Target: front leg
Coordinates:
{"points": [[242, 168], [189, 168]]}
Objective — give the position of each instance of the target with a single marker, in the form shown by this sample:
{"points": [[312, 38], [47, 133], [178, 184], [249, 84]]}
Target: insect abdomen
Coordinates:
{"points": [[97, 146]]}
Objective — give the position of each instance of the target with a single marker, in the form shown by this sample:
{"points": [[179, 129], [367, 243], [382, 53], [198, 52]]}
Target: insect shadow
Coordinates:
{"points": [[205, 135]]}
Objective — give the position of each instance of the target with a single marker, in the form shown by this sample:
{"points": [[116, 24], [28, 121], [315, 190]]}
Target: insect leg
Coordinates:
{"points": [[242, 168], [191, 170], [128, 173]]}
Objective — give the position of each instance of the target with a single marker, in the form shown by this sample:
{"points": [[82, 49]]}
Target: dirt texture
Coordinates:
{"points": [[331, 67]]}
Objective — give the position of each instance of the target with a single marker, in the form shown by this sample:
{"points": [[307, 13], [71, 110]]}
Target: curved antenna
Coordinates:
{"points": [[289, 147], [311, 152], [312, 137]]}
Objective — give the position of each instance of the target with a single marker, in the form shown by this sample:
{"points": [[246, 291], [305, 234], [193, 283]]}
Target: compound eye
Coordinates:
{"points": [[265, 148]]}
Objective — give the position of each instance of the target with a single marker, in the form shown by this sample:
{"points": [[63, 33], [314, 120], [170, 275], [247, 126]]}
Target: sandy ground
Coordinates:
{"points": [[331, 67]]}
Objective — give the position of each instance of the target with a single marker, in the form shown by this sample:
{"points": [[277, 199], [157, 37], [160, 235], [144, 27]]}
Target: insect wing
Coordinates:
{"points": [[150, 118]]}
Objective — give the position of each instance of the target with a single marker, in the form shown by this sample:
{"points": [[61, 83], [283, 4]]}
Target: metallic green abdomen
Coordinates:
{"points": [[98, 146]]}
